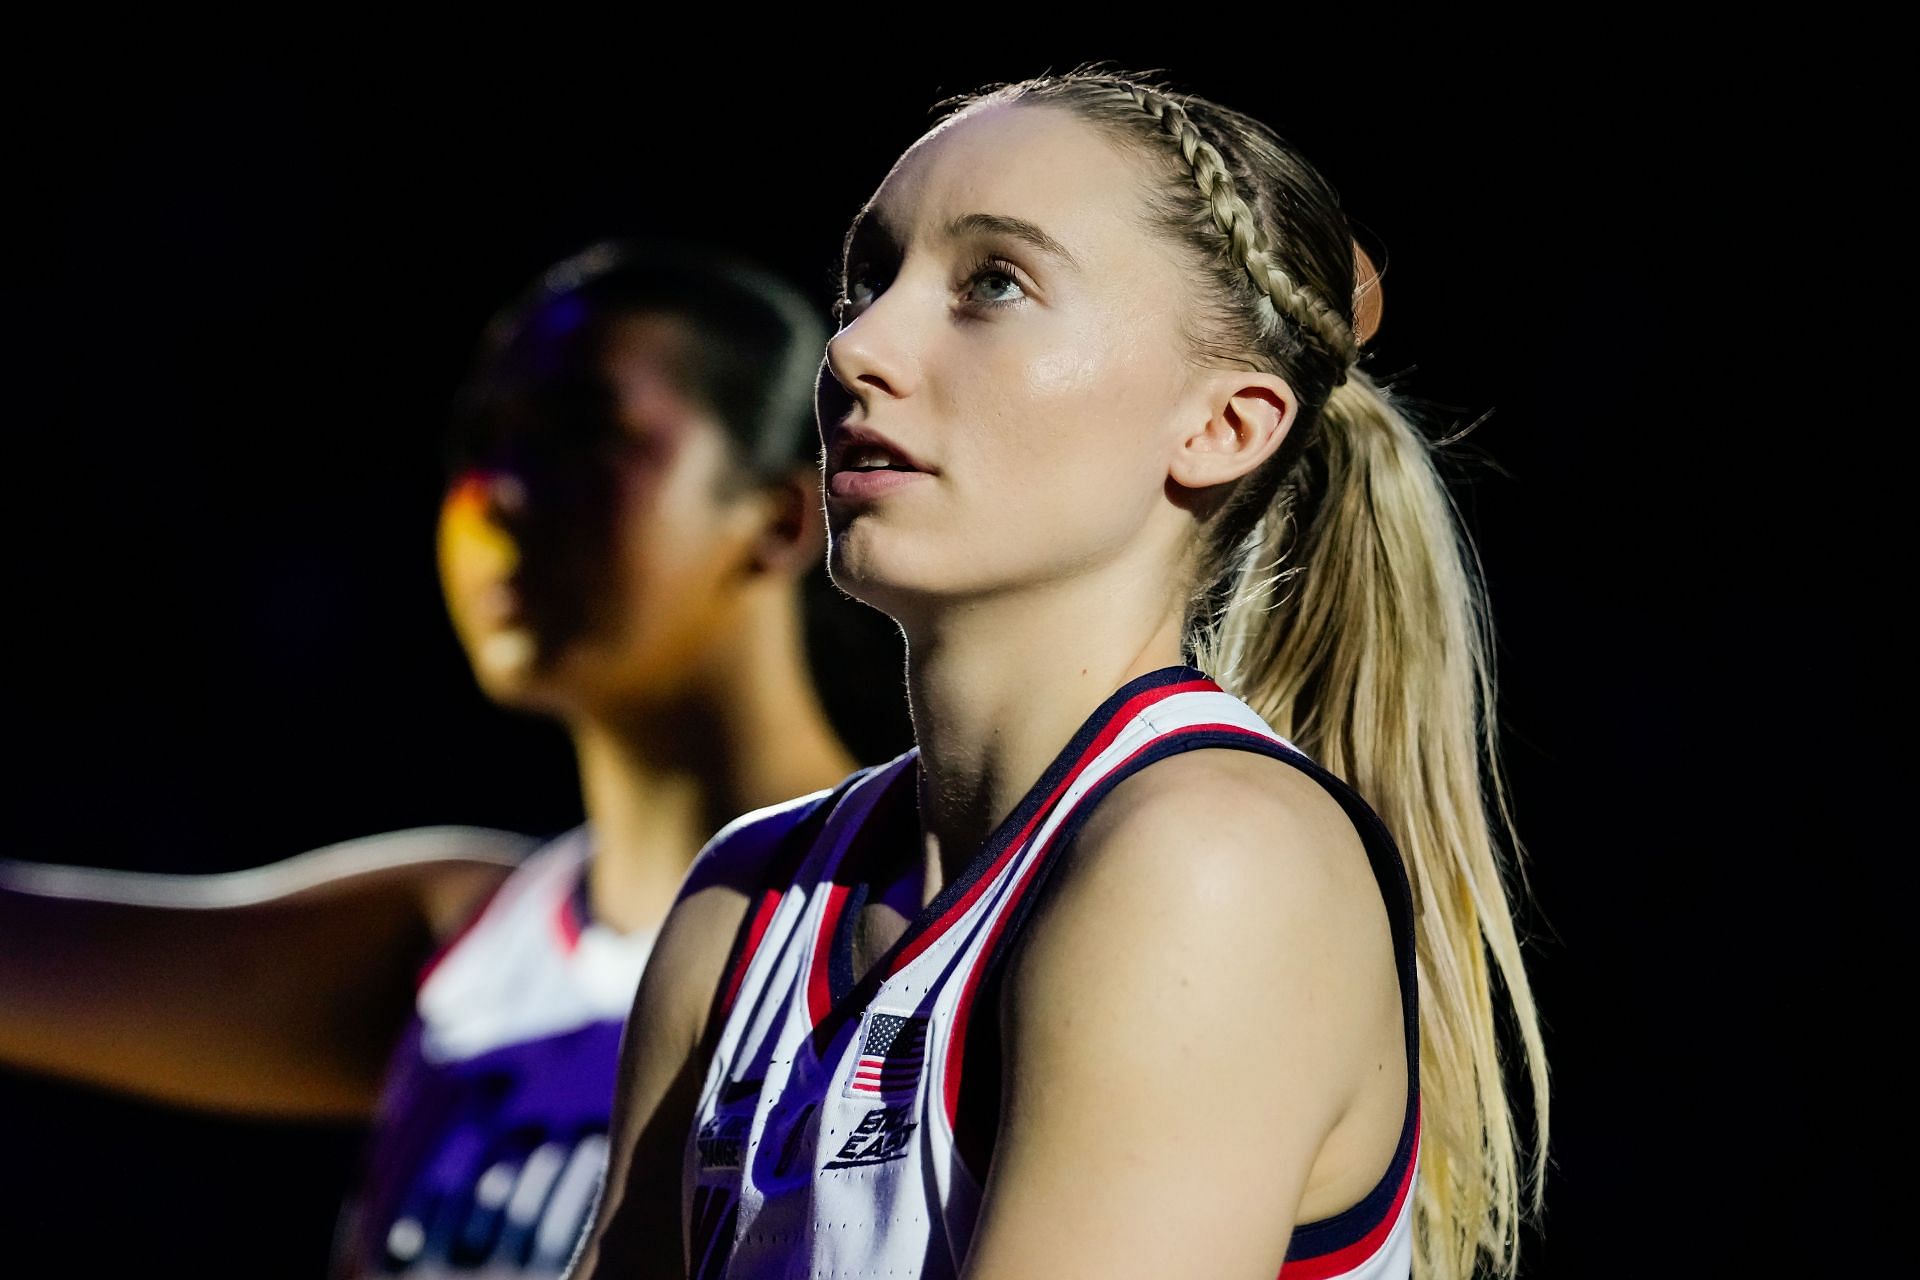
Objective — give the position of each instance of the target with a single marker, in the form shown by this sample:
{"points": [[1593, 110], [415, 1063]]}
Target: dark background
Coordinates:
{"points": [[241, 295]]}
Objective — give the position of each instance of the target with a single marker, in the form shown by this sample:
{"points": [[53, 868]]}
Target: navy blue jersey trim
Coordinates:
{"points": [[840, 946], [799, 841], [1063, 763], [1354, 1223]]}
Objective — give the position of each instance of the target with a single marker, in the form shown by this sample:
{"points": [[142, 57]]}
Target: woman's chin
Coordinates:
{"points": [[855, 569], [507, 655], [904, 592], [506, 667]]}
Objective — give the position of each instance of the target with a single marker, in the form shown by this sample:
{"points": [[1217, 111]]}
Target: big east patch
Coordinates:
{"points": [[880, 1136]]}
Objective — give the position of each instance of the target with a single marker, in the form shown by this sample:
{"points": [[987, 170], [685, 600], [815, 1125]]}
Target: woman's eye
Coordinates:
{"points": [[994, 286], [857, 292]]}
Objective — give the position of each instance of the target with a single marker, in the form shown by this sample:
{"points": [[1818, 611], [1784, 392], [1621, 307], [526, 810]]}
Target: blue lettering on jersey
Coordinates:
{"points": [[489, 1163]]}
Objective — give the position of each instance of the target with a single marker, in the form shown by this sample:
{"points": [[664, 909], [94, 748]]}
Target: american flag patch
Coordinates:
{"points": [[892, 1049]]}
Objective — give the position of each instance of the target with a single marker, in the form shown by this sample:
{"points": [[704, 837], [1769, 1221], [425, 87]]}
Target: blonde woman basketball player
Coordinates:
{"points": [[1170, 949]]}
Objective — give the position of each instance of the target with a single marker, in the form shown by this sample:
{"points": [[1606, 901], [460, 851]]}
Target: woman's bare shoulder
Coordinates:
{"points": [[1222, 857], [1226, 821]]}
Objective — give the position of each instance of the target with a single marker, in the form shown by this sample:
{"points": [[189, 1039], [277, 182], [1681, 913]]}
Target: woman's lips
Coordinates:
{"points": [[868, 448], [861, 486]]}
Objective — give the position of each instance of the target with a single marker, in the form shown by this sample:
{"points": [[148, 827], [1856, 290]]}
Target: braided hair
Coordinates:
{"points": [[1247, 241]]}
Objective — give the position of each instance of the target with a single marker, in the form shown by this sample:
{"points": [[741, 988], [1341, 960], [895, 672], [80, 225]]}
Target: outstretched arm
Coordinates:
{"points": [[277, 990], [1204, 999]]}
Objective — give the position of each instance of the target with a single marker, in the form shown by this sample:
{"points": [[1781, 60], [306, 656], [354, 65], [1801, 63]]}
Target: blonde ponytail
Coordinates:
{"points": [[1356, 628]]}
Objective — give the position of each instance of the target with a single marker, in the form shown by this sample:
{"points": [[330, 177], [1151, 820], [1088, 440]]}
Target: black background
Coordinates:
{"points": [[243, 289]]}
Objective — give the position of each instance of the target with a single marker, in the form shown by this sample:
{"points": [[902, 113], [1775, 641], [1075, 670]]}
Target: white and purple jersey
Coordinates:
{"points": [[823, 1144], [490, 1140]]}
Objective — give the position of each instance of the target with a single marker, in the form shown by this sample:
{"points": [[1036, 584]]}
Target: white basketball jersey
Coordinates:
{"points": [[490, 1140], [823, 1144]]}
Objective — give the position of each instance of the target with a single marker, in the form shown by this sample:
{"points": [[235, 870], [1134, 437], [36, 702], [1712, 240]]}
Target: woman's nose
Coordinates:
{"points": [[872, 357]]}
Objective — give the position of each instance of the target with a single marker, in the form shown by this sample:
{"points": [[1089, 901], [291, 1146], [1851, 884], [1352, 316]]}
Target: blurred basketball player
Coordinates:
{"points": [[632, 510]]}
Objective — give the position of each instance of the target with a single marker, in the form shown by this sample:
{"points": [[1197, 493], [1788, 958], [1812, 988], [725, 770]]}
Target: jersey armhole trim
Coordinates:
{"points": [[791, 851], [1334, 1246], [1348, 1237]]}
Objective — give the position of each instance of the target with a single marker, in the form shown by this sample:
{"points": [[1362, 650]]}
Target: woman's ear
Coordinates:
{"points": [[1247, 416], [793, 538]]}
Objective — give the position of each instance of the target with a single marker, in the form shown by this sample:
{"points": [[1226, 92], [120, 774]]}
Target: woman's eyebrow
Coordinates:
{"points": [[1018, 228]]}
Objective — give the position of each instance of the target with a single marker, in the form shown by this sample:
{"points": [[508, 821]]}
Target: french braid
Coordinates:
{"points": [[1237, 222]]}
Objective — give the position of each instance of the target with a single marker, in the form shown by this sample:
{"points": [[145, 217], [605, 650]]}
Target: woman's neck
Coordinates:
{"points": [[998, 687], [657, 781]]}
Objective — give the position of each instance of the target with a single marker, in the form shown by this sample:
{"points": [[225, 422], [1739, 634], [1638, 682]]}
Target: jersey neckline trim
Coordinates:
{"points": [[831, 1009]]}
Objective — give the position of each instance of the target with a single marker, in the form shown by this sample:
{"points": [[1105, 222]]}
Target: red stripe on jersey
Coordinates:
{"points": [[1325, 1266], [1115, 724], [566, 923], [791, 852], [956, 1044], [445, 949], [757, 930], [819, 989]]}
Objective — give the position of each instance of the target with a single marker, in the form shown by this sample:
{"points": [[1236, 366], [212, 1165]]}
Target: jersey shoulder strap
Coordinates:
{"points": [[759, 854]]}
